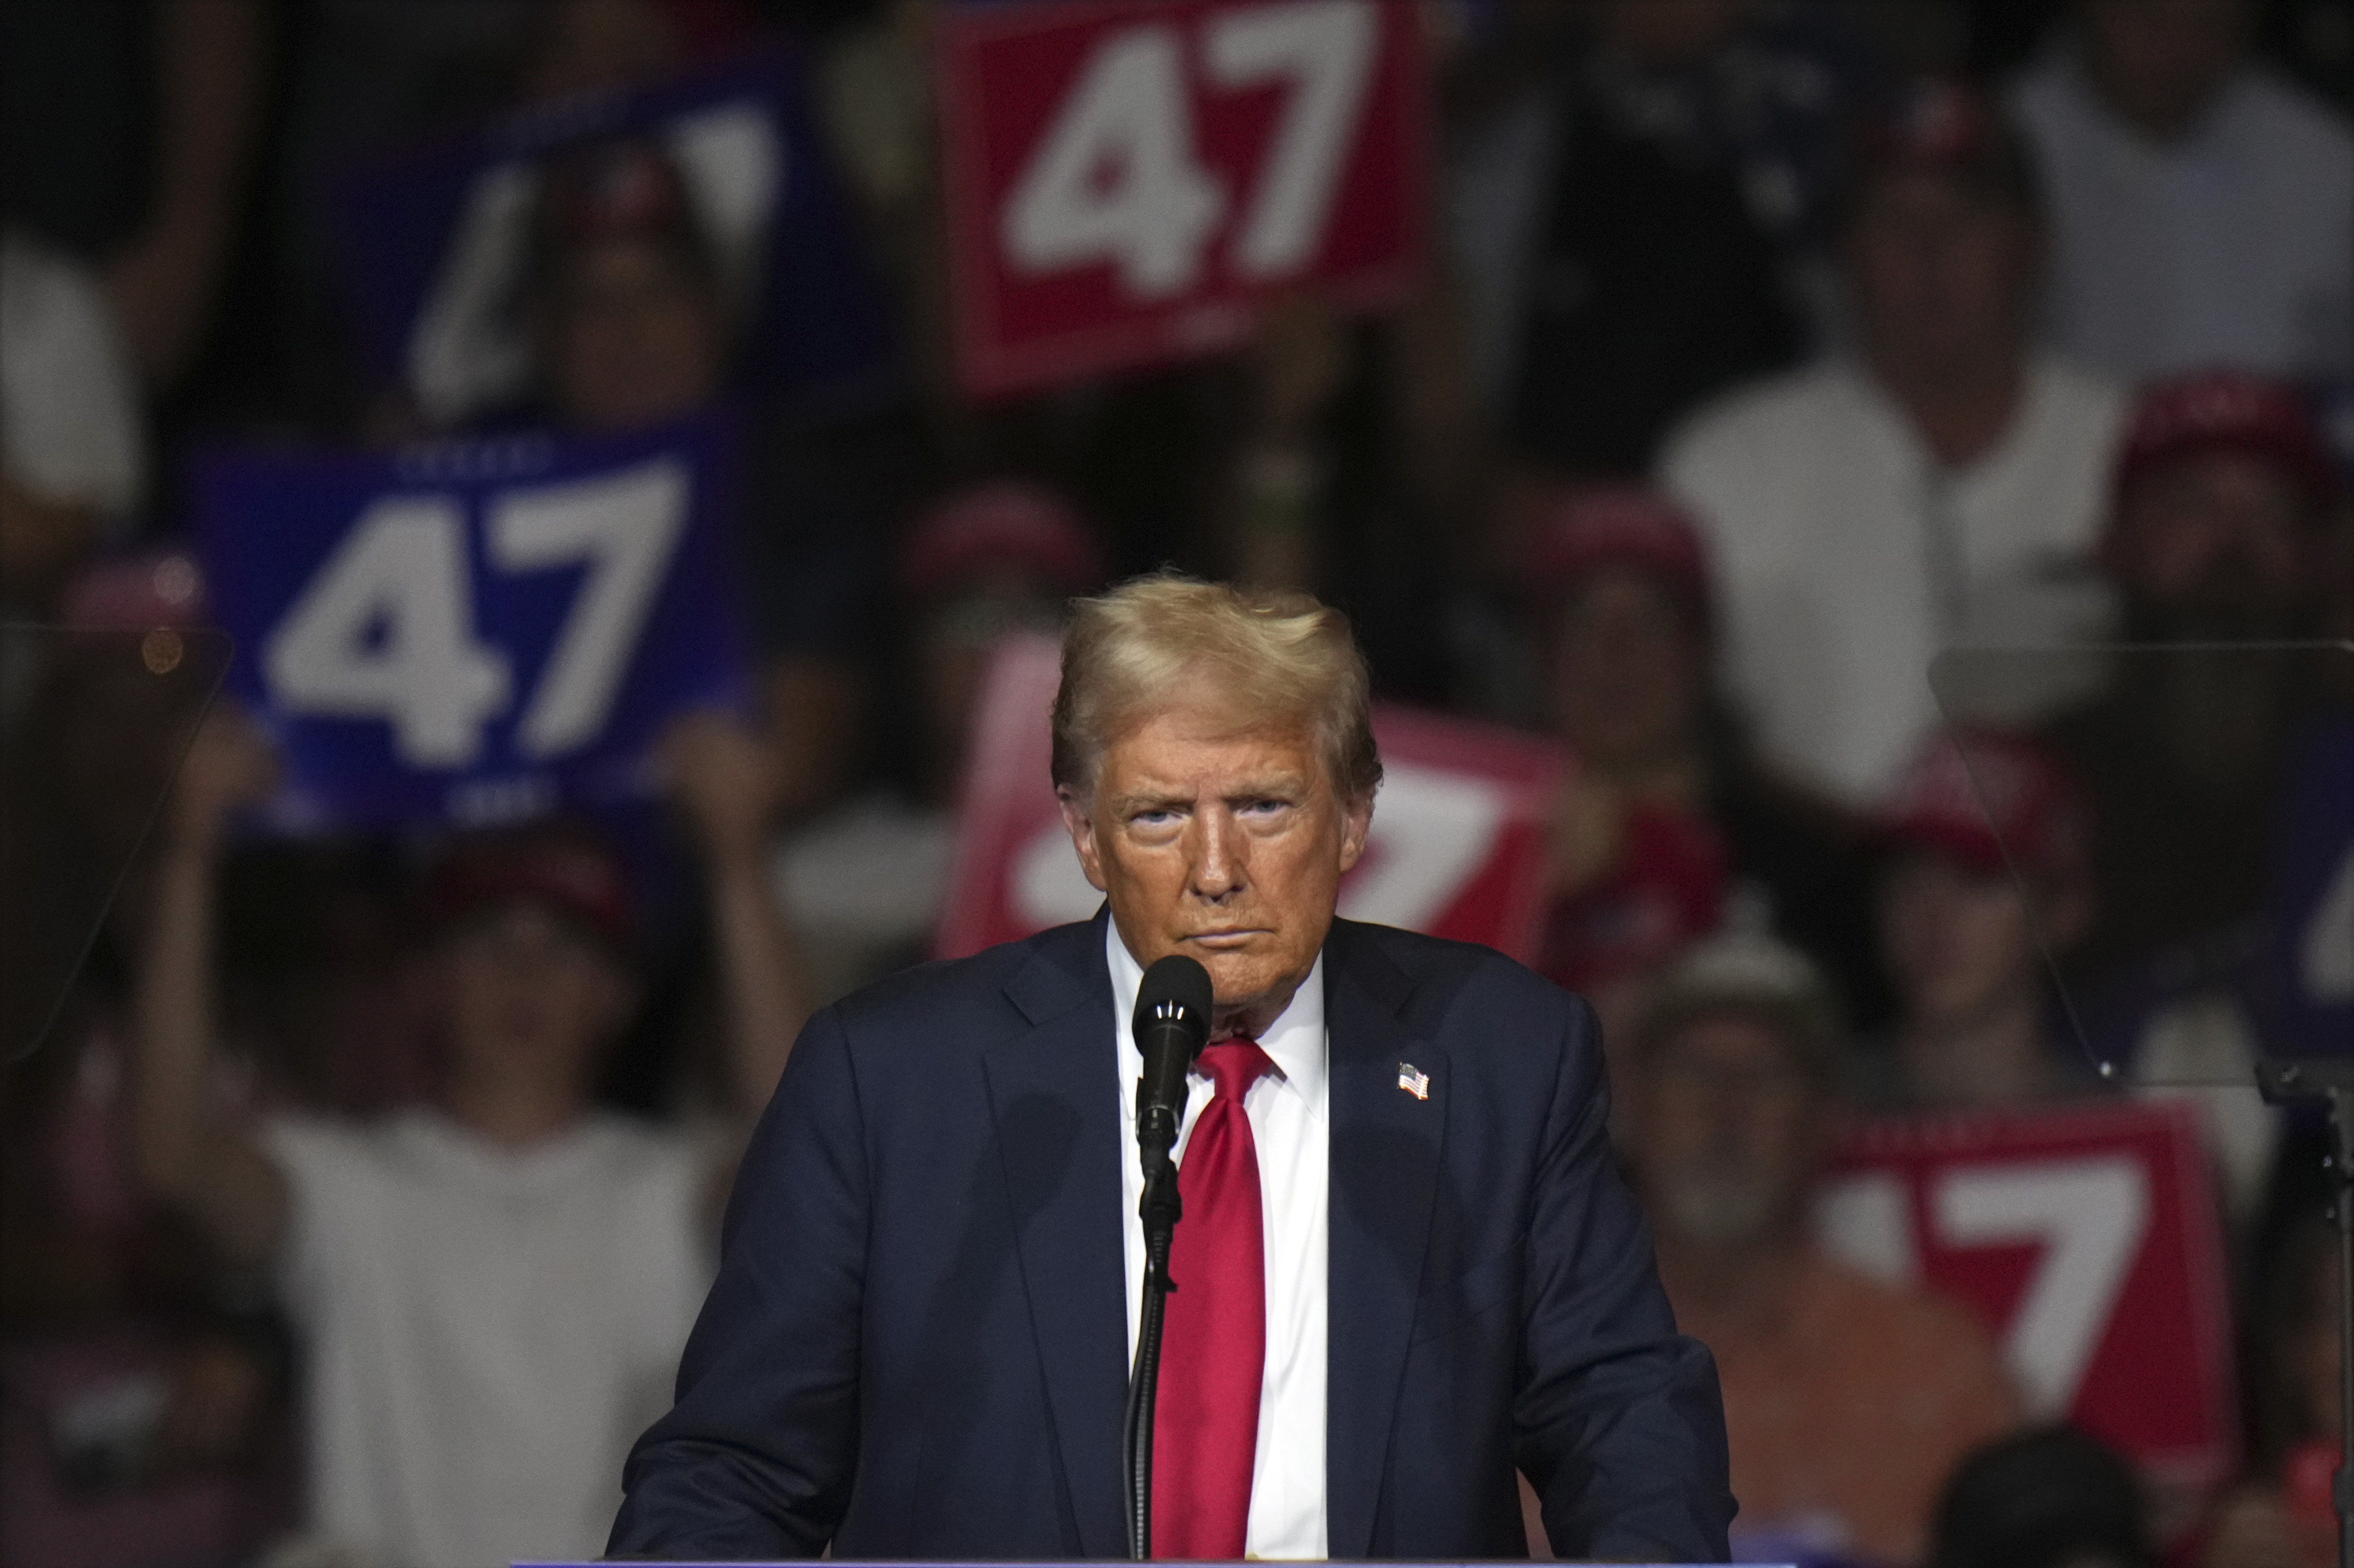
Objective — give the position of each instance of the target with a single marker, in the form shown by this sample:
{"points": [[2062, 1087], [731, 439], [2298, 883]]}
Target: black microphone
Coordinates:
{"points": [[1171, 1025]]}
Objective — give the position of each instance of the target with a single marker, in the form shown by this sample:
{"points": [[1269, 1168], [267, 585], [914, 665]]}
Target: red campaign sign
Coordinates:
{"points": [[1458, 846], [1126, 179], [2087, 1239]]}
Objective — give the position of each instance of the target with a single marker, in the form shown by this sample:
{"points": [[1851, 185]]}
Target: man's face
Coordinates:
{"points": [[2219, 537], [529, 998], [1225, 844], [1957, 939], [1942, 273], [1727, 1131], [635, 337], [1628, 670]]}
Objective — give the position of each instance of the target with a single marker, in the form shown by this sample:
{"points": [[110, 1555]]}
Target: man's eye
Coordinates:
{"points": [[1264, 807], [1155, 819]]}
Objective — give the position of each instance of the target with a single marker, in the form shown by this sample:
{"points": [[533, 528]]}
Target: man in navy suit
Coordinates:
{"points": [[1413, 1267]]}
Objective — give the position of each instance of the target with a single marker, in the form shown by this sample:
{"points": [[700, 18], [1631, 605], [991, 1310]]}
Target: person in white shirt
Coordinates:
{"points": [[491, 1291], [2201, 207], [1941, 485]]}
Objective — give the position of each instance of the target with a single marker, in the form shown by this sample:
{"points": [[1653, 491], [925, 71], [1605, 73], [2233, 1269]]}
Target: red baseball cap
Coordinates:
{"points": [[2230, 411], [563, 865], [1001, 523], [1587, 527], [1975, 792]]}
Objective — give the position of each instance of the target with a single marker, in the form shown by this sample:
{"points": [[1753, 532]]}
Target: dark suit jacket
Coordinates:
{"points": [[917, 1346]]}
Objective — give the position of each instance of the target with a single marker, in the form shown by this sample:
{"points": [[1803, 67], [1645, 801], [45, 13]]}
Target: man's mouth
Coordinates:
{"points": [[1226, 937]]}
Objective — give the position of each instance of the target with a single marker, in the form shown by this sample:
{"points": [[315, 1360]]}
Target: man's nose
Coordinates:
{"points": [[1218, 858]]}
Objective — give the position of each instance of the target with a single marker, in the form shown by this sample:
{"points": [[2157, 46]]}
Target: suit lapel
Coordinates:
{"points": [[1053, 1100], [1385, 1173]]}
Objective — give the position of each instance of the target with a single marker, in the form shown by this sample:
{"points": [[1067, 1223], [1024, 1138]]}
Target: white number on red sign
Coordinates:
{"points": [[386, 629], [1114, 180], [1431, 831], [1116, 177], [2089, 1218], [1326, 49]]}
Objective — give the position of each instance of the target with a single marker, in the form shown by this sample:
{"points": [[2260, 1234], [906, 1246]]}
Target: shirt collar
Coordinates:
{"points": [[1295, 1042]]}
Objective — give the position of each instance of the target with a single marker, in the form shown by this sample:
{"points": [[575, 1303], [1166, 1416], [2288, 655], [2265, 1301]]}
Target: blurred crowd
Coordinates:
{"points": [[360, 1189]]}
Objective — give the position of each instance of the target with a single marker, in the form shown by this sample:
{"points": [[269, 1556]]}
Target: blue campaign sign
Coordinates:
{"points": [[433, 244], [475, 631]]}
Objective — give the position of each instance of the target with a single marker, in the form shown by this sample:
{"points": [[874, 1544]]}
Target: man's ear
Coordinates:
{"points": [[1081, 823], [1356, 822]]}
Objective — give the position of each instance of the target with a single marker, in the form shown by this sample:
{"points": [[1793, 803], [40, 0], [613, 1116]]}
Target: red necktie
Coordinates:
{"points": [[1214, 1347]]}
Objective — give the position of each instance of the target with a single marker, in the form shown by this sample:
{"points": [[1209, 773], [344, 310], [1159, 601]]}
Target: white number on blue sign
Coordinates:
{"points": [[625, 527], [386, 629]]}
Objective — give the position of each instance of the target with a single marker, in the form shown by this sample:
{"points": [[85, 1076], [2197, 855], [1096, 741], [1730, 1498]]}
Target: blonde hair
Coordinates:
{"points": [[1152, 641]]}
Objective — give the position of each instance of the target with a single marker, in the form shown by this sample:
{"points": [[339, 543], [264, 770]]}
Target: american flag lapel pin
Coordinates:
{"points": [[1413, 1080]]}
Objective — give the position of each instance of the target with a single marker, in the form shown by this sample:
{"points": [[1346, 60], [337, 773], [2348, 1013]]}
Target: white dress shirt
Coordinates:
{"points": [[1292, 1127]]}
